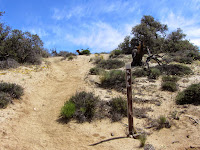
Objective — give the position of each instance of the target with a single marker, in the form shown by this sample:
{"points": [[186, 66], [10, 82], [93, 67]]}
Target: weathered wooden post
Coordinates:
{"points": [[129, 99]]}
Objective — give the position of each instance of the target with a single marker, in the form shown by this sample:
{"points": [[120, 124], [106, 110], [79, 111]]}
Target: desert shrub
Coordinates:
{"points": [[70, 58], [170, 78], [14, 90], [169, 86], [163, 122], [5, 99], [113, 79], [65, 54], [9, 63], [142, 139], [190, 95], [141, 112], [96, 71], [194, 55], [85, 104], [98, 58], [115, 53], [68, 110], [174, 69], [45, 54], [118, 108], [185, 60], [110, 64], [140, 73], [154, 73], [85, 52]]}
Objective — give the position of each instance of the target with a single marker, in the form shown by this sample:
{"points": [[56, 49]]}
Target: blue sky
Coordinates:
{"points": [[99, 25]]}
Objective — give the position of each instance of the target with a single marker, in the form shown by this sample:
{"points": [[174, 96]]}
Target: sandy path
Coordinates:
{"points": [[31, 124], [36, 126]]}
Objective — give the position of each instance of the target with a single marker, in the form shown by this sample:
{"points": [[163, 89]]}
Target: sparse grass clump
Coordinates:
{"points": [[118, 108], [110, 64], [68, 110], [9, 63], [9, 91], [140, 73], [115, 53], [191, 95], [113, 79], [70, 58], [169, 86], [174, 69], [154, 73], [170, 78], [163, 122], [142, 139], [96, 71], [14, 90], [5, 99], [81, 106]]}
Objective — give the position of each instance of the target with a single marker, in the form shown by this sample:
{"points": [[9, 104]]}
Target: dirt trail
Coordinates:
{"points": [[36, 127], [32, 123]]}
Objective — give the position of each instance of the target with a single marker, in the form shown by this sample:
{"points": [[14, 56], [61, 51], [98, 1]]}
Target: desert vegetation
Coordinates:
{"points": [[191, 95], [8, 92]]}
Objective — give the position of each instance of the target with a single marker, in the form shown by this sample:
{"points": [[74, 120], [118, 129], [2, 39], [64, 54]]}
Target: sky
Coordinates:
{"points": [[99, 25]]}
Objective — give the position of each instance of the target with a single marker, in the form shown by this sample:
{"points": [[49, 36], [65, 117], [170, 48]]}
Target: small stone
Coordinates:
{"points": [[149, 147], [188, 136], [175, 142], [107, 96], [34, 109], [112, 134]]}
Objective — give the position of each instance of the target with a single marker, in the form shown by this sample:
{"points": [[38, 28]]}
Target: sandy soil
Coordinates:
{"points": [[32, 122]]}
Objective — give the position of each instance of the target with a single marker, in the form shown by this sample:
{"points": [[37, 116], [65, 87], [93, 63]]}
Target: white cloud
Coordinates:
{"points": [[65, 13], [176, 21], [190, 26], [35, 30], [100, 37]]}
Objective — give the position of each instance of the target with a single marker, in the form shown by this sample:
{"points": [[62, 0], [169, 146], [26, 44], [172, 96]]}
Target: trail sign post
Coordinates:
{"points": [[129, 99]]}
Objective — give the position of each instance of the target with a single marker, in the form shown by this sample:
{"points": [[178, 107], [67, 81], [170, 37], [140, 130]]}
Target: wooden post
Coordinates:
{"points": [[129, 99]]}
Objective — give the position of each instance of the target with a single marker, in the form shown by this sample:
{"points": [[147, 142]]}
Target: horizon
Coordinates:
{"points": [[98, 25]]}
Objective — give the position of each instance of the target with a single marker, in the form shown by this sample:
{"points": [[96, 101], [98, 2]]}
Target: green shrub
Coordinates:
{"points": [[140, 73], [9, 63], [142, 139], [113, 79], [154, 73], [45, 54], [118, 108], [115, 53], [190, 95], [68, 110], [70, 58], [174, 69], [185, 60], [96, 71], [85, 106], [194, 55], [14, 90], [85, 52], [162, 120], [170, 78], [5, 99], [110, 64], [169, 86]]}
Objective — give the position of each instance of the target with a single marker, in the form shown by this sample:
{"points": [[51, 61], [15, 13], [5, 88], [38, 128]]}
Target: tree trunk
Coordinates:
{"points": [[137, 55]]}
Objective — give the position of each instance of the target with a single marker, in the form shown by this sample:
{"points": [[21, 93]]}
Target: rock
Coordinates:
{"points": [[107, 96], [112, 134], [149, 147]]}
